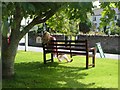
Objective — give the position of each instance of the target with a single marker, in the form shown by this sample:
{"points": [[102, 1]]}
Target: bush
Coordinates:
{"points": [[84, 27], [116, 30], [113, 30]]}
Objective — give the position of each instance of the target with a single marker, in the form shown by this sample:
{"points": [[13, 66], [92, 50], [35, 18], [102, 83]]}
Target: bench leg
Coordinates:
{"points": [[87, 61], [52, 57], [93, 61], [44, 56]]}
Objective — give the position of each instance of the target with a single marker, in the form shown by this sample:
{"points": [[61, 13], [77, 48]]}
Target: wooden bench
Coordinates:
{"points": [[71, 47]]}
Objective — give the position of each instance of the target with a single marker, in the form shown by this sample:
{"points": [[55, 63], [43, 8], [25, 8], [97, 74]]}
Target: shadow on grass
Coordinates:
{"points": [[51, 75]]}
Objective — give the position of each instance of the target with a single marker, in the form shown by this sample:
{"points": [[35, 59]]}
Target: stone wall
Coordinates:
{"points": [[59, 37], [110, 44], [32, 39]]}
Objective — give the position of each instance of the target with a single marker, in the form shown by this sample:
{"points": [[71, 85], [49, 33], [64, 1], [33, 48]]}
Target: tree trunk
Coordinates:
{"points": [[8, 57]]}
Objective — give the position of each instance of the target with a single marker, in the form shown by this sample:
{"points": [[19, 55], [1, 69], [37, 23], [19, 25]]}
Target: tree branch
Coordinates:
{"points": [[38, 20]]}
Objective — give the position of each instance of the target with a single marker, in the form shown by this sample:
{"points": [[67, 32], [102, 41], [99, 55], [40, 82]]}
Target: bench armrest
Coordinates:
{"points": [[92, 49]]}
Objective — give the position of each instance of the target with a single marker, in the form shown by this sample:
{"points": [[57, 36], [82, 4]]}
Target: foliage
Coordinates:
{"points": [[85, 26], [59, 22], [108, 16], [79, 10], [68, 18], [32, 73], [108, 13], [118, 22], [14, 12], [114, 30]]}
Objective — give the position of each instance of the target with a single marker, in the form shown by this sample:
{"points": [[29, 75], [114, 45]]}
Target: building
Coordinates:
{"points": [[97, 15]]}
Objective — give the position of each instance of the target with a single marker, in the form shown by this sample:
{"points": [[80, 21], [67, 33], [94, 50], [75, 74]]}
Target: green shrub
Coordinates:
{"points": [[116, 30]]}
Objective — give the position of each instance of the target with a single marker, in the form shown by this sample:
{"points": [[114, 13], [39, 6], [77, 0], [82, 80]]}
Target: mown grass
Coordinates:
{"points": [[32, 73]]}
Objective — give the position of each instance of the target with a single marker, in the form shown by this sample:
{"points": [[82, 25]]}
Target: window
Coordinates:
{"points": [[119, 16], [115, 17], [96, 24], [94, 18]]}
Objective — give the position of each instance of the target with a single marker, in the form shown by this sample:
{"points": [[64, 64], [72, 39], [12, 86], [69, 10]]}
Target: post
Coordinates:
{"points": [[66, 38], [87, 57], [26, 42], [70, 51], [93, 62], [26, 39], [87, 61]]}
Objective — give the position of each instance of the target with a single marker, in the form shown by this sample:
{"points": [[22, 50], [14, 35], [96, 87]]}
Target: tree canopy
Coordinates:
{"points": [[67, 19], [39, 12]]}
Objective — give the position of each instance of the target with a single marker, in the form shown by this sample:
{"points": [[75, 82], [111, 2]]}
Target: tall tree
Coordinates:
{"points": [[12, 15]]}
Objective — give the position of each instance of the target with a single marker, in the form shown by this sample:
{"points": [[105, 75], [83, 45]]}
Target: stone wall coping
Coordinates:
{"points": [[100, 35]]}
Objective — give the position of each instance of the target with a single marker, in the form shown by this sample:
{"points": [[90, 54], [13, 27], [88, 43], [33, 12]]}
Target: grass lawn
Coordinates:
{"points": [[32, 73]]}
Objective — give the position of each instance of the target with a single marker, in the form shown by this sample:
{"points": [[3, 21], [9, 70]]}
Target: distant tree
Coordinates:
{"points": [[84, 27]]}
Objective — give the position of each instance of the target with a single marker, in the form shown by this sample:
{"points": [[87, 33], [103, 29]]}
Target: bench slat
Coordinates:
{"points": [[65, 45], [66, 52], [81, 41], [67, 48]]}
